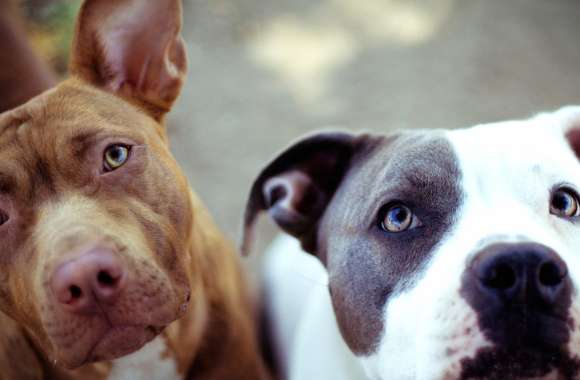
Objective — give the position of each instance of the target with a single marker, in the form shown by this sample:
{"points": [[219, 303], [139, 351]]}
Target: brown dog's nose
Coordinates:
{"points": [[94, 277]]}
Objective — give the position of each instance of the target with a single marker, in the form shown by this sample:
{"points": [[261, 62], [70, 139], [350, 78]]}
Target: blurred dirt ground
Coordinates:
{"points": [[265, 72]]}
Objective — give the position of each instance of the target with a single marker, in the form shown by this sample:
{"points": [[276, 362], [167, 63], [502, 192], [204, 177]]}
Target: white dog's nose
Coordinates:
{"points": [[521, 293], [528, 273]]}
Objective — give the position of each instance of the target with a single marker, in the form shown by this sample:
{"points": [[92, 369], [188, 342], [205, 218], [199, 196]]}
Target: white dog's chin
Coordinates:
{"points": [[493, 363], [496, 364], [463, 352]]}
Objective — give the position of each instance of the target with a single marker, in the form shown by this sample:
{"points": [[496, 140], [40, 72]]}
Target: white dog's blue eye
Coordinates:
{"points": [[396, 218], [564, 203]]}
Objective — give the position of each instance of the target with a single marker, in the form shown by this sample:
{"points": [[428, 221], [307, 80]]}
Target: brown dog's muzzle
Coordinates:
{"points": [[102, 289]]}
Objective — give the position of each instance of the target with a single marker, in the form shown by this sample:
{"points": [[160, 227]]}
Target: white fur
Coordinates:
{"points": [[306, 337], [149, 363], [508, 171]]}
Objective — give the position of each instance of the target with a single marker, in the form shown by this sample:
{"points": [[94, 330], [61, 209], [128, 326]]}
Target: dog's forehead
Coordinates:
{"points": [[412, 166], [515, 153], [61, 120], [72, 109], [52, 135], [420, 155]]}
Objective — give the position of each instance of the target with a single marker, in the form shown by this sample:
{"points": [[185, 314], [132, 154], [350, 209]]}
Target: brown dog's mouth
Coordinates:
{"points": [[115, 342], [122, 340]]}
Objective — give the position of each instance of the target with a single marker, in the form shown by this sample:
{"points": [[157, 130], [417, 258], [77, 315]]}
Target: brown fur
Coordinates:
{"points": [[186, 279]]}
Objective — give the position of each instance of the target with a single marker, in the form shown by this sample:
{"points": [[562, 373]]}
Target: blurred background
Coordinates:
{"points": [[262, 73]]}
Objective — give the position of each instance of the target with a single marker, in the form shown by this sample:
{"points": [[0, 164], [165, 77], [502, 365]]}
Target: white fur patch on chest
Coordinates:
{"points": [[306, 337], [149, 363]]}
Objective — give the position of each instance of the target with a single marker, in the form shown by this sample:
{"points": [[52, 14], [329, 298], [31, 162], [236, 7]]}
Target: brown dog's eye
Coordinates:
{"points": [[564, 203], [397, 218], [115, 156]]}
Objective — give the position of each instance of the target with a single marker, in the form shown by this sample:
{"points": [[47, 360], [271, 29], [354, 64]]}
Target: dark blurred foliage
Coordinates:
{"points": [[50, 24]]}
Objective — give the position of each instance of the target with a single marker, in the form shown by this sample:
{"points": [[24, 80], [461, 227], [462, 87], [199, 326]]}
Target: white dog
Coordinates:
{"points": [[446, 254]]}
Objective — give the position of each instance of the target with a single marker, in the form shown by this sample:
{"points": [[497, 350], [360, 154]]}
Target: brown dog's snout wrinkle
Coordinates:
{"points": [[82, 284]]}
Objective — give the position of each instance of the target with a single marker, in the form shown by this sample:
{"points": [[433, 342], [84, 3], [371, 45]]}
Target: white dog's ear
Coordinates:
{"points": [[132, 48], [569, 119], [296, 187]]}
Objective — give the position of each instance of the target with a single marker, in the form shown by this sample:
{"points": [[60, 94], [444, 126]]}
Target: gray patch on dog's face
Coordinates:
{"points": [[367, 265]]}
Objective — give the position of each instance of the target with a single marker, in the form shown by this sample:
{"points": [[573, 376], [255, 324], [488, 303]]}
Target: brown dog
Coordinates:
{"points": [[110, 266]]}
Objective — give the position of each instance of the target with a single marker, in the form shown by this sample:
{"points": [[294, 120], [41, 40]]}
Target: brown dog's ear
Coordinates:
{"points": [[296, 187], [132, 48]]}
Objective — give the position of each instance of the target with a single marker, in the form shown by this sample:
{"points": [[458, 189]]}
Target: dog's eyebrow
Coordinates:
{"points": [[83, 141], [420, 179]]}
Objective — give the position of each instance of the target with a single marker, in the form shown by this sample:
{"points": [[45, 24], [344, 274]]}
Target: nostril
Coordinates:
{"points": [[75, 292], [105, 279], [550, 274], [502, 277]]}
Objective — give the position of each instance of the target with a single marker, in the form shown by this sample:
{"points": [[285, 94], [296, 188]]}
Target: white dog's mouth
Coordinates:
{"points": [[520, 363]]}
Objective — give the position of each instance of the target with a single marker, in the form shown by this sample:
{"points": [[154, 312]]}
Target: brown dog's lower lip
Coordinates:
{"points": [[122, 340]]}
